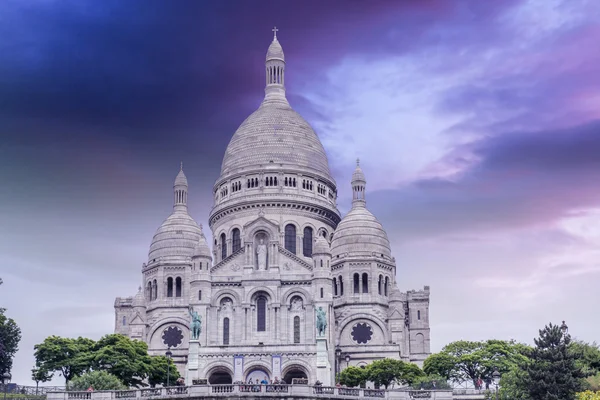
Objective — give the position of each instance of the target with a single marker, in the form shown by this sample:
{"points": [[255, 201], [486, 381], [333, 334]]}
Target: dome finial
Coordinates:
{"points": [[180, 189], [359, 183], [274, 32]]}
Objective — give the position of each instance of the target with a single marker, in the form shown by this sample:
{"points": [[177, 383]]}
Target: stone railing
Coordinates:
{"points": [[253, 391]]}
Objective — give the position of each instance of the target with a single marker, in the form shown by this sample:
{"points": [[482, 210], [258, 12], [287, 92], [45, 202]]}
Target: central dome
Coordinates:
{"points": [[275, 134]]}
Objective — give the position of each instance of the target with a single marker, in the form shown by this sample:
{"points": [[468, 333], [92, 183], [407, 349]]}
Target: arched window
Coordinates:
{"points": [[290, 238], [322, 292], [341, 286], [385, 286], [419, 343], [169, 287], [379, 283], [335, 290], [418, 314], [223, 246], [261, 314], [356, 283], [296, 329], [365, 283], [321, 263], [149, 291], [199, 294], [154, 290], [124, 320], [226, 331], [237, 243], [307, 242], [178, 287]]}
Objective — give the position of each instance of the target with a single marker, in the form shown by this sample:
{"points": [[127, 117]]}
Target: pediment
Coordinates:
{"points": [[261, 223], [290, 263], [137, 320], [231, 265], [395, 313]]}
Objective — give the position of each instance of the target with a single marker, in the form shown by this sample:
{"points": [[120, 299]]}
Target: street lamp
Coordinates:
{"points": [[338, 358], [564, 328], [496, 377], [347, 360], [5, 380], [168, 354]]}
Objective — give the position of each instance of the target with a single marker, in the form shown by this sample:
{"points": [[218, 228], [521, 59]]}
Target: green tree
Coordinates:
{"points": [[158, 371], [123, 357], [98, 380], [69, 357], [553, 373], [353, 376], [587, 356], [464, 361], [441, 364], [10, 336], [388, 371], [40, 375]]}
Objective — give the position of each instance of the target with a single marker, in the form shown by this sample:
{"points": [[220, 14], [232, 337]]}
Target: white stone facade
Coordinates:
{"points": [[280, 252]]}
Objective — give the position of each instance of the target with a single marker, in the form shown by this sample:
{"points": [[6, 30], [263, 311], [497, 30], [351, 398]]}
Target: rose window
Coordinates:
{"points": [[362, 333], [172, 336]]}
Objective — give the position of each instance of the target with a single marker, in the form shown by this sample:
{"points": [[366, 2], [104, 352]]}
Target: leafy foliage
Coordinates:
{"points": [[10, 336], [158, 371], [593, 382], [122, 357], [69, 357], [588, 395], [429, 382], [382, 373], [98, 380], [353, 376], [441, 364], [40, 375], [126, 359], [588, 356], [553, 373], [464, 361]]}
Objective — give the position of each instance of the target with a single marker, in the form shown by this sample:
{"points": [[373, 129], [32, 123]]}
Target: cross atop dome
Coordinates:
{"points": [[358, 162], [181, 166], [275, 32]]}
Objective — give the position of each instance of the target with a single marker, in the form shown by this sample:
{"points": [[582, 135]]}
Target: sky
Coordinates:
{"points": [[477, 124]]}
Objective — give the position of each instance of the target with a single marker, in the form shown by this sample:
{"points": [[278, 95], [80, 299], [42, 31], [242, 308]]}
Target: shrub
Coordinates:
{"points": [[98, 380]]}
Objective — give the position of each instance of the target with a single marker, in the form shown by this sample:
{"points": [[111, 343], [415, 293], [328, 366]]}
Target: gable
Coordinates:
{"points": [[231, 265], [289, 263]]}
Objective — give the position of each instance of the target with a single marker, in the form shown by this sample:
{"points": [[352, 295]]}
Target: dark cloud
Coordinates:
{"points": [[522, 179]]}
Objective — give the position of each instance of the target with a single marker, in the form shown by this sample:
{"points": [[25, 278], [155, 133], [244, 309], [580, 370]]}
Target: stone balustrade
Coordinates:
{"points": [[254, 391]]}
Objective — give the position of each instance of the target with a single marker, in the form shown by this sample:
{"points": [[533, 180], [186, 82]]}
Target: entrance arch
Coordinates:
{"points": [[295, 374], [220, 376], [258, 373]]}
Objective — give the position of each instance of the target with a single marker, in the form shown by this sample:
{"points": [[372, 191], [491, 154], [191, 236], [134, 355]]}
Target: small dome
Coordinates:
{"points": [[275, 51], [202, 249], [175, 238], [181, 179], [358, 175], [321, 246], [360, 233]]}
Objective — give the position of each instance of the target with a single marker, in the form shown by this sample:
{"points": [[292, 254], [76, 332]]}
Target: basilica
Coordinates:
{"points": [[286, 288]]}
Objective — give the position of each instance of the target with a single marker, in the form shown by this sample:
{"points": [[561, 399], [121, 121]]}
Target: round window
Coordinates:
{"points": [[362, 333], [172, 336]]}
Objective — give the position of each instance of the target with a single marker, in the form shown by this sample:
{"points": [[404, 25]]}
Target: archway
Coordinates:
{"points": [[257, 375], [220, 377], [295, 375]]}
